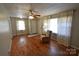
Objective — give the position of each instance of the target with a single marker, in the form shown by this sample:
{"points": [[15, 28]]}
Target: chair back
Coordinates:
{"points": [[49, 34]]}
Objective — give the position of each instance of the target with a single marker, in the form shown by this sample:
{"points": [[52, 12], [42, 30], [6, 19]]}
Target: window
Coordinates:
{"points": [[45, 26], [20, 25], [52, 25]]}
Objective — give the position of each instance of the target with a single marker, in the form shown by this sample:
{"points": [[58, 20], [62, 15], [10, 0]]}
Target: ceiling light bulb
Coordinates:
{"points": [[31, 17]]}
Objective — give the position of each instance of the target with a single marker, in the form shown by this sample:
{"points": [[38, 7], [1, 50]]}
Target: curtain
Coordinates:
{"points": [[64, 27], [60, 24], [52, 25], [49, 23]]}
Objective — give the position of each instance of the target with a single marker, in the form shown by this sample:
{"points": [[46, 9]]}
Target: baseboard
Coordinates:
{"points": [[74, 47], [32, 35]]}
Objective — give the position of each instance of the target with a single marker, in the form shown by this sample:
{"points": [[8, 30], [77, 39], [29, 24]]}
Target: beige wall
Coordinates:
{"points": [[75, 30], [33, 26], [27, 26], [4, 36], [5, 32], [39, 26], [13, 26]]}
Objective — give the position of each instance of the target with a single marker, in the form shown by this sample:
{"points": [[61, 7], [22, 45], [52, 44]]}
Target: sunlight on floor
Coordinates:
{"points": [[22, 41]]}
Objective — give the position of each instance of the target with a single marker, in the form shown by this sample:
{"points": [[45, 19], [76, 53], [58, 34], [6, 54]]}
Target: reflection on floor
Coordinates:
{"points": [[32, 46]]}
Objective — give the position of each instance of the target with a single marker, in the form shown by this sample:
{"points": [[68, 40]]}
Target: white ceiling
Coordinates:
{"points": [[21, 9]]}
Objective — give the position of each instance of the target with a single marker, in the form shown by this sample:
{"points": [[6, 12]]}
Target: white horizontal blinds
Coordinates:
{"points": [[20, 25]]}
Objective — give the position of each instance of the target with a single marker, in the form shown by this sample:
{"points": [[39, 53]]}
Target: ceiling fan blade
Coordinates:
{"points": [[31, 11], [34, 13], [37, 15]]}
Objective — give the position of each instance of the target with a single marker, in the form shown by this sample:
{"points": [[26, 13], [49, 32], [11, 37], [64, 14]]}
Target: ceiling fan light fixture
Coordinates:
{"points": [[31, 17]]}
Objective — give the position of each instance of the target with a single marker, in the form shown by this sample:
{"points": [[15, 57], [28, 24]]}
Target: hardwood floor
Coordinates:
{"points": [[32, 46]]}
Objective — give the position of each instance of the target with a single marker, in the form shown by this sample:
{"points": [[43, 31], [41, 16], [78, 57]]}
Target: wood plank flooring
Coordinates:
{"points": [[32, 46]]}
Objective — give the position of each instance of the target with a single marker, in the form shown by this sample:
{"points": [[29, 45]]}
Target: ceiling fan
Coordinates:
{"points": [[33, 14]]}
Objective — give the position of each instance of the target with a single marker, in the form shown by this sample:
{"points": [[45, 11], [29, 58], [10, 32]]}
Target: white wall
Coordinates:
{"points": [[5, 34]]}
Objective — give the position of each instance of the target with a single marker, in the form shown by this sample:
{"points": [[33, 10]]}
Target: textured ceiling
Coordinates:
{"points": [[21, 9]]}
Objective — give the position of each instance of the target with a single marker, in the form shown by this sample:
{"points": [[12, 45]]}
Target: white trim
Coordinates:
{"points": [[33, 35]]}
